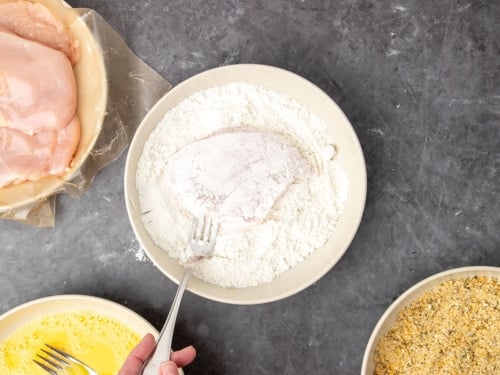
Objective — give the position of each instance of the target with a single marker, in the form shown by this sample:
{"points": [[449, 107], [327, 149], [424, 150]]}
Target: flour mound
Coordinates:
{"points": [[300, 221]]}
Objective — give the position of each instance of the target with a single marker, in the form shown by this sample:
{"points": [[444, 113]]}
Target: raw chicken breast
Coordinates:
{"points": [[30, 157], [34, 22], [37, 86], [236, 176]]}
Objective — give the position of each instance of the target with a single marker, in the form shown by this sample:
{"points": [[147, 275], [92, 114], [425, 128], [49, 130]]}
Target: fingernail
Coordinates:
{"points": [[169, 368]]}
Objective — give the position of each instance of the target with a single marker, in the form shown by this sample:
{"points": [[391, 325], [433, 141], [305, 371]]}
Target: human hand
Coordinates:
{"points": [[143, 350]]}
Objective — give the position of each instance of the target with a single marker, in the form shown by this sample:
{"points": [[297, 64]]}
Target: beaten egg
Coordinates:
{"points": [[96, 339]]}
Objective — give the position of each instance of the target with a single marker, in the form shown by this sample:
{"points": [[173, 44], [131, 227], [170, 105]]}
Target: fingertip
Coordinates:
{"points": [[169, 368], [184, 356], [138, 355], [148, 338], [191, 349], [144, 348]]}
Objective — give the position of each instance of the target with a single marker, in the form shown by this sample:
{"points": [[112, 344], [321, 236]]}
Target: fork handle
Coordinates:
{"points": [[164, 341]]}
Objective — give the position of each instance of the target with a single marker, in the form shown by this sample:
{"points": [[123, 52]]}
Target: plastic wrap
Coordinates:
{"points": [[127, 90]]}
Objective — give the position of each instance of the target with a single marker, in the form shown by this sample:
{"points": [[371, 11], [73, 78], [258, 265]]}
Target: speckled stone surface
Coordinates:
{"points": [[419, 82]]}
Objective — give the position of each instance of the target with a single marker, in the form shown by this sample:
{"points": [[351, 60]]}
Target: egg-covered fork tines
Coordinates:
{"points": [[201, 243], [57, 362]]}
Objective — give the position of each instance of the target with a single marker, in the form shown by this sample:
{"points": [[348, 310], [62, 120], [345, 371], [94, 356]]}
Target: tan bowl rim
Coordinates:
{"points": [[466, 271], [86, 300]]}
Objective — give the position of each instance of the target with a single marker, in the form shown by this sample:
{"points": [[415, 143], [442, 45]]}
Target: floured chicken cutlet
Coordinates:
{"points": [[39, 127], [236, 177]]}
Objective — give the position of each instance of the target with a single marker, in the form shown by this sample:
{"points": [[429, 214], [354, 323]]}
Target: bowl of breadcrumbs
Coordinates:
{"points": [[448, 323]]}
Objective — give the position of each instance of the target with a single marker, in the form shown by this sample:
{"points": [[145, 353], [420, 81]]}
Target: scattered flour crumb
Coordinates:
{"points": [[107, 258], [140, 255], [392, 52], [138, 252], [377, 131], [302, 219]]}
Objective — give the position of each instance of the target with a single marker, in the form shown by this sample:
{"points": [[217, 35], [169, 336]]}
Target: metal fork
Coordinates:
{"points": [[57, 362], [201, 241]]}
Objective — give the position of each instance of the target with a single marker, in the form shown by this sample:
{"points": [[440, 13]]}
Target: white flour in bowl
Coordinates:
{"points": [[302, 219]]}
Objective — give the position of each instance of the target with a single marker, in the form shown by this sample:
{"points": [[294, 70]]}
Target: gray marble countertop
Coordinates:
{"points": [[420, 83]]}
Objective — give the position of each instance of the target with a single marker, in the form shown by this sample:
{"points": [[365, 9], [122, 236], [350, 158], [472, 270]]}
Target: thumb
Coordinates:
{"points": [[169, 368]]}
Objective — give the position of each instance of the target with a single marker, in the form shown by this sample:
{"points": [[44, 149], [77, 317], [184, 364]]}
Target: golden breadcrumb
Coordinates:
{"points": [[451, 329]]}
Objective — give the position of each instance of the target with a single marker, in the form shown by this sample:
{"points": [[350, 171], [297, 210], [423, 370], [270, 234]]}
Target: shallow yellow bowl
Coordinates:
{"points": [[21, 316], [348, 154], [415, 292], [92, 91]]}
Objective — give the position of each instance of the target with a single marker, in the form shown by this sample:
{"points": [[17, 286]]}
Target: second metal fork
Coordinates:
{"points": [[201, 242], [56, 362]]}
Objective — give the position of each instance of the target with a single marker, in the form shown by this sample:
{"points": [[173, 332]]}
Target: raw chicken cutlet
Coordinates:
{"points": [[34, 22], [236, 177], [24, 157], [37, 86], [39, 127]]}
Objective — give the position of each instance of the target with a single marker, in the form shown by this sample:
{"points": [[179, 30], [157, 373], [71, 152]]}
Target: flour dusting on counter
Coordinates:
{"points": [[138, 252], [301, 220]]}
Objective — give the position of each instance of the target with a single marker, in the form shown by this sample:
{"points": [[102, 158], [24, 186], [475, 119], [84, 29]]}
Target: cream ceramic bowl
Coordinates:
{"points": [[92, 91], [17, 318], [411, 295], [349, 155]]}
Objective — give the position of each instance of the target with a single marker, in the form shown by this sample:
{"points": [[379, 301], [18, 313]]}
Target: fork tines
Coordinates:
{"points": [[205, 231], [47, 364], [52, 361]]}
